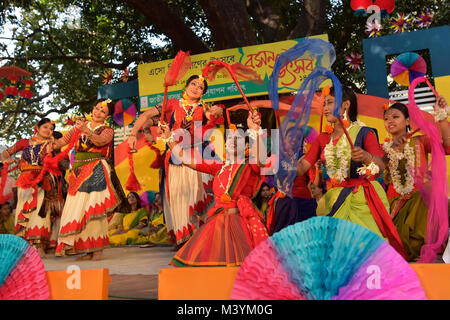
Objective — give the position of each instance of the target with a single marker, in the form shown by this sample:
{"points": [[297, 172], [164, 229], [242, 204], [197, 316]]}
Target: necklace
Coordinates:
{"points": [[396, 175], [189, 113], [84, 138]]}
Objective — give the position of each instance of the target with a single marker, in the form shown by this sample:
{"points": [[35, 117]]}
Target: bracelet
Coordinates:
{"points": [[167, 140], [442, 114], [369, 170], [255, 133], [132, 135]]}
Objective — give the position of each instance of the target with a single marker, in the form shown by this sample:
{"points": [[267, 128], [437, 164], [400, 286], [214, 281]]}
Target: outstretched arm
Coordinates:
{"points": [[177, 151], [144, 119]]}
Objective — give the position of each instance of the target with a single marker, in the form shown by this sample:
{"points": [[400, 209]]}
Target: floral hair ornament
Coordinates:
{"points": [[326, 91], [201, 78], [105, 103]]}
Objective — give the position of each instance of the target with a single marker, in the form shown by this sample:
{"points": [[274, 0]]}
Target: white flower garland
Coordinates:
{"points": [[337, 158], [394, 159]]}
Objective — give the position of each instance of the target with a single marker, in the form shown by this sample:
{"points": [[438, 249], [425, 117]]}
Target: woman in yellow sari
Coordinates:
{"points": [[124, 228], [156, 233]]}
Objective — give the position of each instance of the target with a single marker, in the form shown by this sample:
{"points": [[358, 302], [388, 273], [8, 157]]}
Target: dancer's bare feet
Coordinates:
{"points": [[84, 258], [177, 247], [41, 252], [97, 255]]}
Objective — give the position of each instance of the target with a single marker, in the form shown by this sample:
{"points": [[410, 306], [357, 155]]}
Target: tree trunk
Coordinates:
{"points": [[312, 19], [268, 21], [229, 23], [171, 22]]}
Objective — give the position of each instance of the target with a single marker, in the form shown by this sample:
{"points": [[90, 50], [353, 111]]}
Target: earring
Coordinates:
{"points": [[346, 122], [329, 129], [388, 138]]}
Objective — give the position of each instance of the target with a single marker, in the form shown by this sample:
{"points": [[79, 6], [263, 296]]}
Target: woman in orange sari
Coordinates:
{"points": [[186, 193], [234, 226]]}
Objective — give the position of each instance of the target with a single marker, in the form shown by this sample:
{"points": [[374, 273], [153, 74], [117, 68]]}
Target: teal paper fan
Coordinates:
{"points": [[325, 258]]}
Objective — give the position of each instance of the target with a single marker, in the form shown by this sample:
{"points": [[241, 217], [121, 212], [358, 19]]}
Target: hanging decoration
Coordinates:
{"points": [[12, 90], [107, 77], [354, 61], [424, 19], [27, 93], [125, 76], [386, 6], [360, 7], [373, 29], [407, 67], [401, 22], [124, 112]]}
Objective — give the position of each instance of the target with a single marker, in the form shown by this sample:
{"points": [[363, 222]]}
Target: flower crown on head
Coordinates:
{"points": [[386, 106]]}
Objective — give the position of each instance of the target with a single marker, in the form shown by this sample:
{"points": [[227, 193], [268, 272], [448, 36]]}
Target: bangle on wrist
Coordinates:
{"points": [[252, 133]]}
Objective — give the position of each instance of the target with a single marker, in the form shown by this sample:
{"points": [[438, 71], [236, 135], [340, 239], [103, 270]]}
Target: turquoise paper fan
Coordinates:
{"points": [[325, 258]]}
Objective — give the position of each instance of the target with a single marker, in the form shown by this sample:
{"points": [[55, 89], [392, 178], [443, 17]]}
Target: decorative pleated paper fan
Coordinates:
{"points": [[124, 112], [22, 273], [408, 66], [325, 258]]}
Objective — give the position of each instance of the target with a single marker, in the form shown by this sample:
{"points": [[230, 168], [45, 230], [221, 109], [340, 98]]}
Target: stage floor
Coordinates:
{"points": [[134, 271]]}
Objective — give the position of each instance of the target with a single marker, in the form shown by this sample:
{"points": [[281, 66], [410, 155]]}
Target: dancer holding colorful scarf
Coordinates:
{"points": [[39, 197], [405, 158], [234, 226], [94, 190], [354, 195]]}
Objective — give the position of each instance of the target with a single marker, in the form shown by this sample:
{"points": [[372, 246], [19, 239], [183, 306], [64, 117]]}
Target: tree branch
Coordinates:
{"points": [[229, 28], [312, 19], [268, 21], [86, 60], [171, 22]]}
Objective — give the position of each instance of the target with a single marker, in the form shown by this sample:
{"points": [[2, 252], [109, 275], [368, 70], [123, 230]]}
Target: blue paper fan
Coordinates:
{"points": [[325, 258], [22, 273]]}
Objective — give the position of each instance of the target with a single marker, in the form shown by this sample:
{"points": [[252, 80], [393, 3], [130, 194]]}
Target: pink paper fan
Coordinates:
{"points": [[385, 271], [262, 277], [28, 280]]}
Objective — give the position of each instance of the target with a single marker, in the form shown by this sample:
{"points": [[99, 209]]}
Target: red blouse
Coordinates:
{"points": [[370, 145]]}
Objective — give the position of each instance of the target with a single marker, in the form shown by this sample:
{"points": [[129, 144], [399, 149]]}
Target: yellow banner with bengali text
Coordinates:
{"points": [[260, 58]]}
